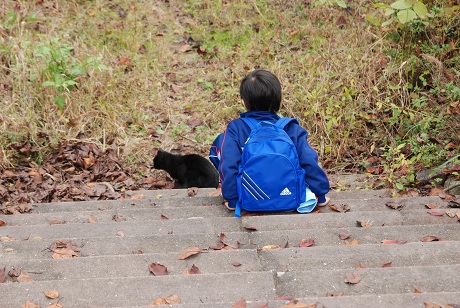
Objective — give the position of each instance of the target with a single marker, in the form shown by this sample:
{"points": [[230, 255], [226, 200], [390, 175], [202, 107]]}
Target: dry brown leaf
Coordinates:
{"points": [[158, 269], [2, 223], [2, 275], [55, 305], [393, 242], [236, 264], [189, 252], [360, 265], [364, 224], [388, 264], [352, 242], [297, 304], [64, 253], [431, 205], [342, 208], [192, 191], [30, 304], [344, 236], [158, 302], [173, 299], [334, 294], [395, 205], [268, 247], [435, 213], [24, 278], [434, 305], [118, 217], [194, 270], [352, 278], [307, 242], [138, 197], [121, 233], [239, 304], [163, 217], [430, 238], [57, 222], [91, 219], [53, 294], [250, 228]]}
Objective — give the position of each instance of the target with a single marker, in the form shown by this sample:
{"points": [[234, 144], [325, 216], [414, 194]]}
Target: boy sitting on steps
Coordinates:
{"points": [[261, 95]]}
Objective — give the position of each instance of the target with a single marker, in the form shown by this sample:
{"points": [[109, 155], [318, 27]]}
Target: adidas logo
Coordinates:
{"points": [[285, 192]]}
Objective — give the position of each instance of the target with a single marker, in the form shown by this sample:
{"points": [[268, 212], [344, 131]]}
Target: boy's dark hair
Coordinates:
{"points": [[261, 91]]}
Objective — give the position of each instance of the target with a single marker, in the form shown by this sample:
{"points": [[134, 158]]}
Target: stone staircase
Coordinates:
{"points": [[103, 253]]}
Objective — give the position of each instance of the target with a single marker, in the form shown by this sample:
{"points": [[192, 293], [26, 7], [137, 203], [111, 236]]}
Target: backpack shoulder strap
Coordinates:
{"points": [[251, 122], [282, 122]]}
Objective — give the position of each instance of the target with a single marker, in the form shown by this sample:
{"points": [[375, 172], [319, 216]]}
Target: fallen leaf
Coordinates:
{"points": [[344, 236], [364, 224], [57, 222], [117, 217], [417, 291], [297, 304], [189, 252], [435, 213], [2, 275], [250, 228], [388, 264], [395, 205], [307, 242], [218, 246], [332, 294], [2, 223], [434, 305], [393, 242], [431, 205], [342, 208], [352, 243], [360, 265], [91, 219], [137, 252], [192, 191], [239, 304], [173, 299], [236, 264], [55, 305], [430, 238], [158, 302], [194, 270], [268, 247], [140, 196], [30, 304], [224, 240], [53, 294], [24, 278], [352, 278], [158, 269], [121, 233], [163, 217]]}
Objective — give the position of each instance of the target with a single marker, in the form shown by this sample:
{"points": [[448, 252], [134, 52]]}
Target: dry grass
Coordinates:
{"points": [[335, 69]]}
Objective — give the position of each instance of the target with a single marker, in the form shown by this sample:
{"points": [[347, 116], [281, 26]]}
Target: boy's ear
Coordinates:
{"points": [[244, 104]]}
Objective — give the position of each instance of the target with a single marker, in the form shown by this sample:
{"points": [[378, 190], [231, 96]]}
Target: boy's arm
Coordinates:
{"points": [[230, 160], [315, 176]]}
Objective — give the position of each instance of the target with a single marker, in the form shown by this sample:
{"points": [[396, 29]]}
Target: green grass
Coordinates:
{"points": [[361, 90]]}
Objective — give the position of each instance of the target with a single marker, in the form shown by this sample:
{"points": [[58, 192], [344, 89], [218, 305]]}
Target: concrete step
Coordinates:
{"points": [[135, 291], [112, 267], [388, 280]]}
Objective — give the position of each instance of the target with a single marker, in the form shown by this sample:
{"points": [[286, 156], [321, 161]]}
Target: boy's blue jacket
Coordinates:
{"points": [[233, 141]]}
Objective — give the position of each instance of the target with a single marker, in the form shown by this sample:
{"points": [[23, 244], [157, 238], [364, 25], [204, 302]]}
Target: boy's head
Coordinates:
{"points": [[261, 91]]}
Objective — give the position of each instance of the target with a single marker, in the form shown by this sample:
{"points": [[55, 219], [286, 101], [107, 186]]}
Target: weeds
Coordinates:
{"points": [[135, 73]]}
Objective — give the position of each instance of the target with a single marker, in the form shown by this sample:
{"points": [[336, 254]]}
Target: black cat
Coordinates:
{"points": [[190, 170]]}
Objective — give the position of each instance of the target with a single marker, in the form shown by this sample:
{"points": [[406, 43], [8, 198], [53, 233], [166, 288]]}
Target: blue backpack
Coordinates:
{"points": [[269, 178]]}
